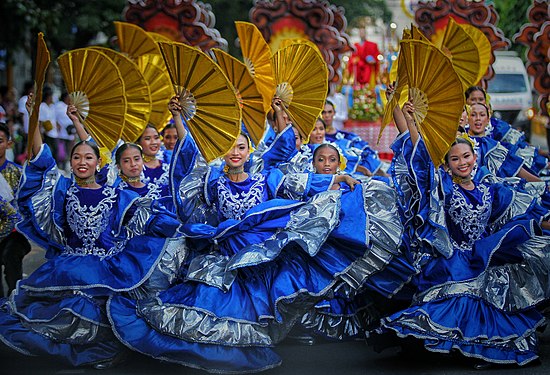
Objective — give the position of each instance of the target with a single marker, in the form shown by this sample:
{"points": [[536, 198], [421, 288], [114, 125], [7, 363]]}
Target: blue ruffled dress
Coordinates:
{"points": [[258, 264], [98, 243], [484, 259]]}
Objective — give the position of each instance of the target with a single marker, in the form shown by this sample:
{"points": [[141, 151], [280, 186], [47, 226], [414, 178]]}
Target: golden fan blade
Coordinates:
{"points": [[134, 41], [302, 82], [156, 75], [159, 37], [42, 62], [418, 35], [138, 95], [435, 90], [97, 90], [210, 106], [463, 52], [249, 97], [257, 58], [483, 48], [288, 42]]}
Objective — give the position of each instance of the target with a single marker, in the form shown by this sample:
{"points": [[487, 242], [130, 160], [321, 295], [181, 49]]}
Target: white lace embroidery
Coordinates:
{"points": [[234, 206], [472, 220], [89, 222], [162, 180], [154, 191]]}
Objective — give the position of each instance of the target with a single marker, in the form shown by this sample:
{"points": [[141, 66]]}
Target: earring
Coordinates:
{"points": [[97, 168], [338, 170]]}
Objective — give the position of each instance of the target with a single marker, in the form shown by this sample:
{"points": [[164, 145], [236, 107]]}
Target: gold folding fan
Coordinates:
{"points": [[134, 41], [156, 75], [462, 50], [435, 90], [483, 48], [96, 88], [42, 62], [257, 58], [210, 106], [249, 97], [302, 82], [138, 95]]}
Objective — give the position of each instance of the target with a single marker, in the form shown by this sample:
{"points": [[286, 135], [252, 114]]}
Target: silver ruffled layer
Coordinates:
{"points": [[43, 206], [66, 326], [166, 270], [383, 231], [510, 287], [309, 226]]}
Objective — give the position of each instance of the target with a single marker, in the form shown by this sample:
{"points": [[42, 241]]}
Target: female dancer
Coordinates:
{"points": [[94, 249], [481, 247], [514, 140], [258, 262]]}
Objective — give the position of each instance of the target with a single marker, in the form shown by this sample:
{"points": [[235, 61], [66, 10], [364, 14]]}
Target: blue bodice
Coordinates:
{"points": [[467, 213], [235, 198], [88, 218]]}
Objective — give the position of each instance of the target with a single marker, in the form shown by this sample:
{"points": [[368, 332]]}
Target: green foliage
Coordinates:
{"points": [[65, 24], [513, 15], [356, 11]]}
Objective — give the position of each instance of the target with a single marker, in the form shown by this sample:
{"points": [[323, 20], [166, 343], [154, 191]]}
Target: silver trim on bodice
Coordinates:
{"points": [[89, 222], [234, 205], [470, 217]]}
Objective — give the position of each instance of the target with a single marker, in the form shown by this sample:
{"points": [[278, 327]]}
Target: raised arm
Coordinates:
{"points": [[36, 137], [72, 112], [175, 109], [408, 110], [278, 108]]}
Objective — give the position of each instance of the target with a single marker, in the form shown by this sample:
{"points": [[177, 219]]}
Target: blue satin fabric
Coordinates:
{"points": [[59, 309], [449, 314]]}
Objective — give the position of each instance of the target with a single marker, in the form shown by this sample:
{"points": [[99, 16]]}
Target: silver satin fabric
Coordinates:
{"points": [[383, 231], [510, 287], [294, 185], [424, 324], [309, 226], [67, 326], [43, 205]]}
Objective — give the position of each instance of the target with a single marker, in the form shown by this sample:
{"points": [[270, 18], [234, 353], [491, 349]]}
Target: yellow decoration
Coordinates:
{"points": [[249, 97], [462, 51], [156, 75], [257, 58], [483, 47], [97, 90], [41, 65], [301, 75], [138, 95], [210, 106], [135, 41], [436, 92]]}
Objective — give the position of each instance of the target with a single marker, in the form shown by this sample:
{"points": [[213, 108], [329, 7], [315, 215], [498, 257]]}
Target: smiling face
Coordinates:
{"points": [[326, 160], [170, 138], [461, 160], [150, 141], [478, 120], [297, 138], [84, 161], [318, 134], [238, 155], [476, 97], [131, 162]]}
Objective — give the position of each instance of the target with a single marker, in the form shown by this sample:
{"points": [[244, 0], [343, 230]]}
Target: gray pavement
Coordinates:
{"points": [[324, 358]]}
